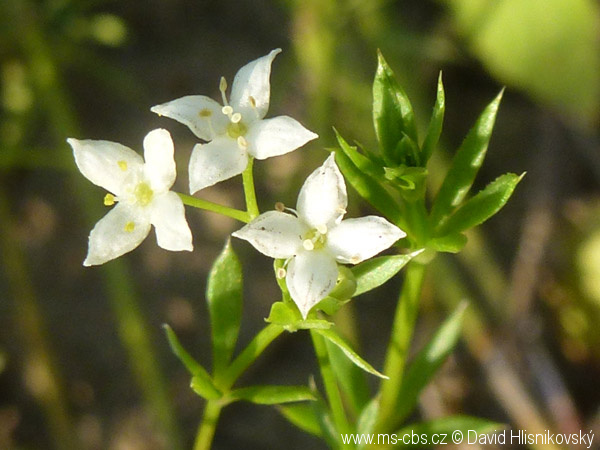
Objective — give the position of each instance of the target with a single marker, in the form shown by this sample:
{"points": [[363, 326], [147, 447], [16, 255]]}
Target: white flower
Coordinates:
{"points": [[317, 239], [142, 192], [237, 129]]}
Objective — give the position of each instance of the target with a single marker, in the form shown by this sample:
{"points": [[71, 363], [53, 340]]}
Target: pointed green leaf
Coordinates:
{"points": [[434, 130], [371, 190], [482, 206], [465, 164], [336, 339], [272, 395], [367, 420], [352, 379], [446, 426], [328, 429], [202, 385], [224, 296], [363, 163], [290, 319], [376, 271], [450, 243], [393, 114], [303, 416], [428, 361]]}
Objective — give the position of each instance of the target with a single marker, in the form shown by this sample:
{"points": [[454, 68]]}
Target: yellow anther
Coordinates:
{"points": [[205, 113], [122, 165], [281, 272], [308, 245], [109, 200], [129, 227], [242, 142], [355, 259], [321, 229], [279, 207], [227, 110], [235, 118], [223, 84], [252, 101]]}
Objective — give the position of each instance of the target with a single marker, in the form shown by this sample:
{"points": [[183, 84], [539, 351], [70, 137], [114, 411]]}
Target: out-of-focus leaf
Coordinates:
{"points": [[483, 205], [465, 164], [549, 48], [428, 361], [272, 395], [445, 426], [434, 130], [450, 243], [376, 271], [328, 429], [224, 296], [393, 114], [303, 416], [370, 189], [367, 420], [352, 379], [337, 340]]}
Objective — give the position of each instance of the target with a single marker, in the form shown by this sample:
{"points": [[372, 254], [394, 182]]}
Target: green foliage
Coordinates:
{"points": [[272, 395], [446, 426], [303, 416], [351, 378], [374, 272], [224, 297], [367, 420], [434, 130]]}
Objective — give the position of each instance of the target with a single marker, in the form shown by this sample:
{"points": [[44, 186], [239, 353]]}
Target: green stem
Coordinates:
{"points": [[331, 388], [199, 203], [249, 191], [206, 431], [397, 352]]}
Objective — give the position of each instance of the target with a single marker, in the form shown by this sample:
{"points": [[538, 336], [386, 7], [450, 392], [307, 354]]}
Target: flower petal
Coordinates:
{"points": [[216, 161], [168, 218], [117, 233], [160, 164], [106, 164], [355, 240], [322, 199], [251, 90], [275, 234], [200, 113], [276, 136], [311, 275]]}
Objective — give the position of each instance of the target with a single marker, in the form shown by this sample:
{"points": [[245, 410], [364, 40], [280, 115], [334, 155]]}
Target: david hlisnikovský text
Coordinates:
{"points": [[523, 437]]}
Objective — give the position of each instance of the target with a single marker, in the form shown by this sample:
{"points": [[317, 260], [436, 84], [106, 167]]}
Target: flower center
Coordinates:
{"points": [[236, 129], [315, 239], [143, 194]]}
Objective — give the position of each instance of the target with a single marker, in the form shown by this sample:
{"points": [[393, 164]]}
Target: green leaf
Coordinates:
{"points": [[290, 319], [352, 379], [224, 296], [336, 339], [328, 429], [393, 114], [367, 420], [482, 206], [376, 271], [450, 243], [465, 164], [371, 190], [303, 416], [445, 426], [428, 361], [434, 130], [362, 162], [201, 383], [272, 395]]}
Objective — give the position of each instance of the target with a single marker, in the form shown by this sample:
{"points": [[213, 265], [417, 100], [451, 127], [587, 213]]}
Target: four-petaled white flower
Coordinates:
{"points": [[317, 239], [142, 192], [236, 130]]}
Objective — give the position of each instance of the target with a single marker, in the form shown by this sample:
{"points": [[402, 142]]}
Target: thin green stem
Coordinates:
{"points": [[397, 352], [249, 191], [331, 388], [199, 203], [206, 431]]}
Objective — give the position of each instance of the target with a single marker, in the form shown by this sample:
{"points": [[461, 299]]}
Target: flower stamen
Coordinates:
{"points": [[110, 200], [242, 142], [122, 165], [223, 88], [129, 227]]}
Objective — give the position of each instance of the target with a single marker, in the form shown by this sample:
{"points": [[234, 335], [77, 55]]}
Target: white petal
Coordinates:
{"points": [[275, 234], [106, 164], [200, 113], [322, 199], [216, 161], [355, 240], [276, 136], [168, 218], [117, 233], [251, 88], [311, 275], [160, 164]]}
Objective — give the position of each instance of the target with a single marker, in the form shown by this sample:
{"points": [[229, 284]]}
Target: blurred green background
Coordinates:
{"points": [[83, 361]]}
